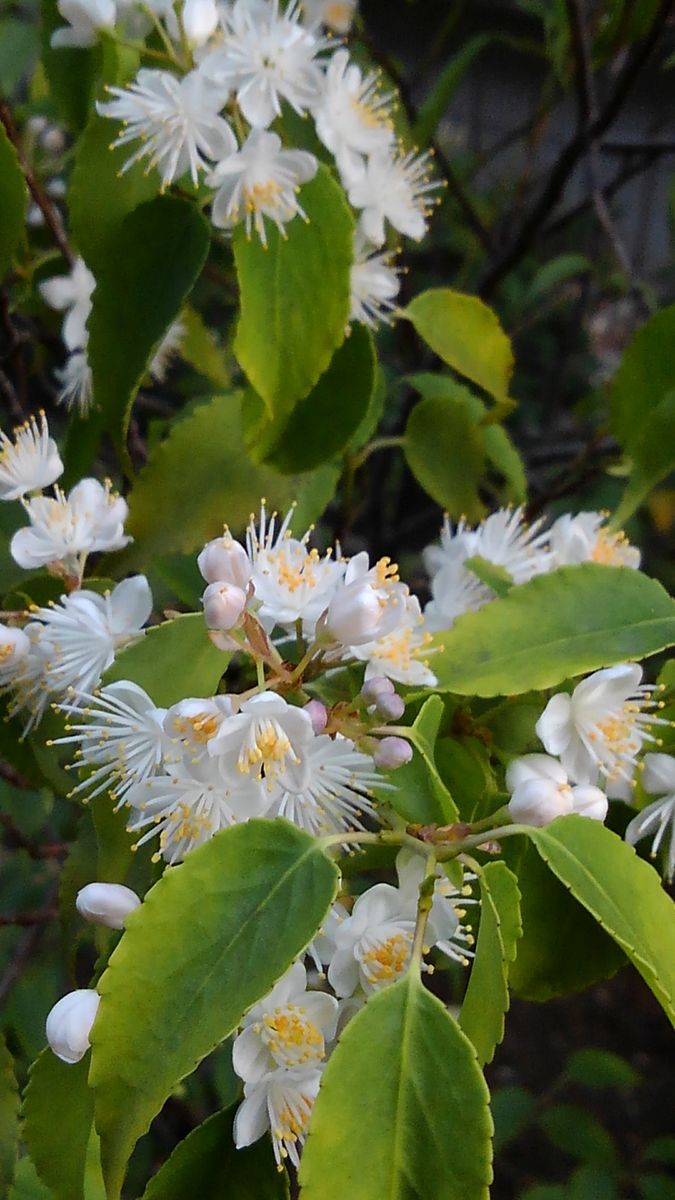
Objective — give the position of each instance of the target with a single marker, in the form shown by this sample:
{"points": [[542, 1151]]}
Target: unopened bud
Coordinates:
{"points": [[392, 752], [53, 140], [224, 560], [14, 648], [106, 903], [223, 605], [375, 687], [390, 706], [540, 801], [318, 715], [590, 802], [355, 614], [69, 1024], [200, 20]]}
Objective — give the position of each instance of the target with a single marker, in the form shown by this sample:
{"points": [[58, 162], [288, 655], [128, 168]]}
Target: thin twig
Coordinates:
{"points": [[43, 201], [41, 916]]}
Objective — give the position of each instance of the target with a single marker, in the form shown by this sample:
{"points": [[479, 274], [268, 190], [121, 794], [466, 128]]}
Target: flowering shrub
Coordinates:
{"points": [[318, 815]]}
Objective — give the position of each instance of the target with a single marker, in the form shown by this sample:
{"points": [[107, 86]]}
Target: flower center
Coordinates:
{"points": [[199, 728], [386, 961], [292, 1122], [297, 571], [610, 548], [291, 1037], [619, 731], [267, 750], [6, 651], [261, 195]]}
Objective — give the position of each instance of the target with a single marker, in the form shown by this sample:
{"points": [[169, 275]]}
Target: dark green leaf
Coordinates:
{"points": [[9, 1120], [71, 73], [58, 1113], [513, 1110], [19, 47], [576, 1132], [445, 452], [13, 199], [600, 1069]]}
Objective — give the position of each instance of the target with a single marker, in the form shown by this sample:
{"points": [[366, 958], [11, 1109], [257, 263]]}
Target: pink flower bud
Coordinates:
{"points": [[223, 605], [224, 560], [106, 903], [318, 715], [69, 1024], [390, 706], [590, 802], [375, 687], [392, 752]]}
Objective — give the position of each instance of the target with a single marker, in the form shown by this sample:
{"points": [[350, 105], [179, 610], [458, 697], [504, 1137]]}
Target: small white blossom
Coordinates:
{"points": [[76, 383], [373, 944], [106, 903], [374, 285], [260, 180], [15, 647], [86, 19], [200, 20], [585, 538], [282, 1103], [71, 293], [337, 15], [268, 739], [455, 590], [602, 726], [176, 120], [190, 725], [352, 118], [288, 1028], [69, 1024], [394, 188], [224, 560], [658, 779], [336, 795], [541, 791], [29, 460], [291, 581], [370, 603], [399, 655], [63, 530], [223, 605]]}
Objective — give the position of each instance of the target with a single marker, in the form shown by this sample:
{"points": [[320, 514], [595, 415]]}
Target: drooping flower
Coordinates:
{"points": [[106, 903], [336, 795], [176, 120], [658, 779], [602, 726], [69, 1024], [395, 188], [282, 1103], [76, 382], [288, 1028], [63, 530], [352, 116], [585, 538], [374, 285], [541, 791], [268, 739], [260, 180], [86, 19], [71, 293], [292, 582], [370, 603], [399, 655], [267, 56], [29, 460]]}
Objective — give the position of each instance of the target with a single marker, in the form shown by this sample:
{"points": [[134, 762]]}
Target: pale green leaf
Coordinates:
{"points": [[211, 937], [295, 296], [9, 1120], [421, 796], [27, 1183], [207, 1165], [172, 509], [490, 573], [401, 1083], [621, 891], [445, 452], [566, 623], [58, 1113], [486, 1001], [466, 334], [13, 200], [644, 376], [173, 660], [199, 347], [653, 455]]}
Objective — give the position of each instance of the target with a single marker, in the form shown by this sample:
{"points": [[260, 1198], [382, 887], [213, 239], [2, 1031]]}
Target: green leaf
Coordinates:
{"points": [[58, 1113], [211, 937], [324, 422], [486, 1001], [621, 891], [151, 263], [574, 620], [466, 334], [600, 1069], [295, 296], [513, 1110], [593, 1183], [644, 377], [9, 1120], [555, 272], [13, 200], [656, 1187], [421, 796], [71, 73], [494, 576], [199, 348], [661, 1150], [208, 1166], [173, 660], [404, 1059], [576, 1132], [19, 48], [171, 510], [653, 456], [27, 1183], [445, 452], [99, 195]]}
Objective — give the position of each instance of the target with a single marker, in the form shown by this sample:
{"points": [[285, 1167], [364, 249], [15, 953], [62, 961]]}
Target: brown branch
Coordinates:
{"points": [[43, 201], [41, 916], [18, 840]]}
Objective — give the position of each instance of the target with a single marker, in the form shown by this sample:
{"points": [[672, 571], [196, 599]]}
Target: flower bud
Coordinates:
{"points": [[200, 20], [317, 714], [53, 140], [590, 802], [355, 614], [540, 801], [224, 560], [14, 648], [106, 903], [372, 688], [223, 605], [390, 706], [392, 752], [69, 1024]]}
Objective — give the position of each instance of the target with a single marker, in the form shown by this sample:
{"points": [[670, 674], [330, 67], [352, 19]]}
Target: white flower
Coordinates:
{"points": [[394, 188], [29, 460], [658, 779], [76, 383], [69, 1024], [351, 118], [602, 726], [541, 792], [260, 180], [106, 903], [223, 605], [455, 590], [288, 1028], [282, 1102], [505, 540], [336, 14], [175, 119], [336, 795], [267, 56], [399, 654], [71, 293], [585, 538], [224, 560], [291, 582], [369, 605], [373, 944], [200, 20], [86, 18], [63, 530], [119, 732], [15, 647], [374, 285], [167, 349], [267, 739], [190, 725], [448, 906]]}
